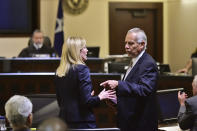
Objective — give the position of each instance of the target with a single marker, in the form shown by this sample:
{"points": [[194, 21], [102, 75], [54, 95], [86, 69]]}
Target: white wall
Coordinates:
{"points": [[182, 31], [11, 47]]}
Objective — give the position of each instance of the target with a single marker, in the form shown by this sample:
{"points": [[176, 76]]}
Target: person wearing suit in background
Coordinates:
{"points": [[37, 47], [187, 116], [136, 93], [74, 87]]}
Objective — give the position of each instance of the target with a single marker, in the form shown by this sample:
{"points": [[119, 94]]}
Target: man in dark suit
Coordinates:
{"points": [[188, 110], [136, 93], [37, 48]]}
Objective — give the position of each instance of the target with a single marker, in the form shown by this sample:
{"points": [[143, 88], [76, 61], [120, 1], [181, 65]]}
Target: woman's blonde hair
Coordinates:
{"points": [[70, 55]]}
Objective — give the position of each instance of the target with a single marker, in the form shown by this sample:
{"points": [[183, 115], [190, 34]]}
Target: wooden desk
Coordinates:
{"points": [[43, 64], [43, 83], [172, 82]]}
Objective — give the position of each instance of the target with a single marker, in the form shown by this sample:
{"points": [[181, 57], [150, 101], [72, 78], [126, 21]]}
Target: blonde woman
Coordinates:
{"points": [[74, 87]]}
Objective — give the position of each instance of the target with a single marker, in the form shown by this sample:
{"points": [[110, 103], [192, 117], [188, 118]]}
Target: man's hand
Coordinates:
{"points": [[92, 93], [112, 84], [184, 70], [182, 97], [109, 94]]}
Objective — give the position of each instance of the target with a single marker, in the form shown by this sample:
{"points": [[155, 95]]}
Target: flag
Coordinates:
{"points": [[59, 32]]}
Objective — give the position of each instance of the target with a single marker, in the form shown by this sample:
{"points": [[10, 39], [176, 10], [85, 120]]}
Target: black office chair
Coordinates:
{"points": [[44, 106]]}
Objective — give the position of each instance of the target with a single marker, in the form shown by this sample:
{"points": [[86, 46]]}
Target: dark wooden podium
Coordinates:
{"points": [[14, 65], [174, 82], [27, 76], [43, 83]]}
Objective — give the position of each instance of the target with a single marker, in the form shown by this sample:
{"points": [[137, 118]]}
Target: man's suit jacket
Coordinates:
{"points": [[136, 97], [74, 96], [187, 114]]}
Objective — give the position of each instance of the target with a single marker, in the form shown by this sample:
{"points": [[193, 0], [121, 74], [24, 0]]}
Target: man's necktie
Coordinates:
{"points": [[128, 70]]}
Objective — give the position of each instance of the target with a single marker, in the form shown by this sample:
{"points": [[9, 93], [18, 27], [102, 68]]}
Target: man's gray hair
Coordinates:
{"points": [[37, 31], [141, 35], [17, 109]]}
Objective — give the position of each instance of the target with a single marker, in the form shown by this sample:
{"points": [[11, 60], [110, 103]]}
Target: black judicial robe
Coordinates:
{"points": [[31, 50]]}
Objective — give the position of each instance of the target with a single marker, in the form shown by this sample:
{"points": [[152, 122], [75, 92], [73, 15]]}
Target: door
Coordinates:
{"points": [[147, 16]]}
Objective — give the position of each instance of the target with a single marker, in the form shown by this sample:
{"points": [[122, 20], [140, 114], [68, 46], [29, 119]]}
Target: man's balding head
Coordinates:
{"points": [[53, 124]]}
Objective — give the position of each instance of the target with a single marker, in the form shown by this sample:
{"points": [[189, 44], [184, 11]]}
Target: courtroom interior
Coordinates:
{"points": [[32, 33]]}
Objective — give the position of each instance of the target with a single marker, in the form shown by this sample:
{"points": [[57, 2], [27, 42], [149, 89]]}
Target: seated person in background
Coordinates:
{"points": [[37, 46], [187, 117], [53, 124], [18, 111], [189, 64]]}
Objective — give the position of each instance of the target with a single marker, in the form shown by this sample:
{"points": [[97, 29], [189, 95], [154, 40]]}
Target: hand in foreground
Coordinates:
{"points": [[92, 93], [109, 94], [112, 84], [182, 97], [113, 100], [112, 104]]}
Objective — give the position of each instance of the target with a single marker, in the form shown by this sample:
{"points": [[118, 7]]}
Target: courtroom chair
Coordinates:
{"points": [[168, 105], [46, 41], [44, 106], [194, 66]]}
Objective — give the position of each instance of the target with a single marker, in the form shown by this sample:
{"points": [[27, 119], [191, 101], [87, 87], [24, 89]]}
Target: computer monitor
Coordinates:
{"points": [[194, 66], [163, 68], [93, 51], [168, 105]]}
